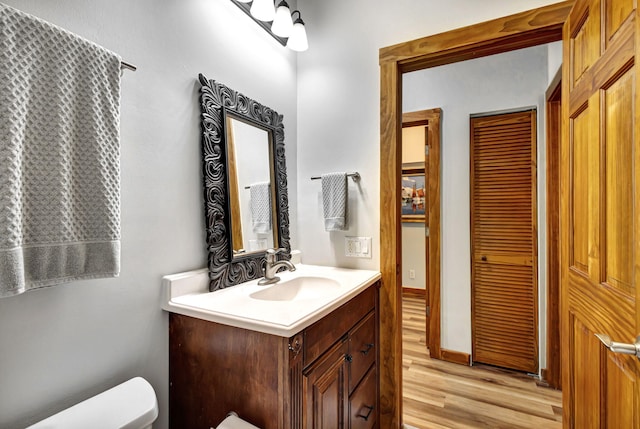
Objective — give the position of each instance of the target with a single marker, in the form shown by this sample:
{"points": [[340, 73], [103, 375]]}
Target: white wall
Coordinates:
{"points": [[339, 99], [554, 59], [65, 343]]}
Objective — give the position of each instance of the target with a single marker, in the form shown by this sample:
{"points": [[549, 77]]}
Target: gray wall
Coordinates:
{"points": [[68, 342]]}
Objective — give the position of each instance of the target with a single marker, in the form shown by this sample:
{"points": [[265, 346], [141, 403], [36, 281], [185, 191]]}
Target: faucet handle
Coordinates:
{"points": [[275, 251], [271, 254]]}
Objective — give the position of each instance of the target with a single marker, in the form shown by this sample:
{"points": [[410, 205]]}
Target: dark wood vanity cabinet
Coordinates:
{"points": [[341, 386], [323, 377]]}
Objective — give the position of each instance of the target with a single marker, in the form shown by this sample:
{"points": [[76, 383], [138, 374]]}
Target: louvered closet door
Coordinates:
{"points": [[503, 207]]}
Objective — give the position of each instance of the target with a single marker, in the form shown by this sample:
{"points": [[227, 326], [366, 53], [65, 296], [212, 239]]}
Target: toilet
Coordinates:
{"points": [[130, 405]]}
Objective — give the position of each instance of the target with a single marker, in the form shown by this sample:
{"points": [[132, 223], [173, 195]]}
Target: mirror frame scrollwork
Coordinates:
{"points": [[216, 99]]}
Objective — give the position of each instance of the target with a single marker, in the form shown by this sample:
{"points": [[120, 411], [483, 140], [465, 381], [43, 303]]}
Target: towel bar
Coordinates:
{"points": [[125, 65], [355, 176]]}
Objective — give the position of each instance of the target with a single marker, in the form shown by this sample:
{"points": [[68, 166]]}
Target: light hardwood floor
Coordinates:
{"points": [[439, 395]]}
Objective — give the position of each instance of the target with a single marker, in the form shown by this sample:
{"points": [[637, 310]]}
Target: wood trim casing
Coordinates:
{"points": [[521, 30], [455, 357], [551, 374], [542, 25], [390, 246]]}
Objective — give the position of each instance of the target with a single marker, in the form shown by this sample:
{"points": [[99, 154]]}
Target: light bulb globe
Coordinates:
{"points": [[298, 39], [282, 23], [263, 10]]}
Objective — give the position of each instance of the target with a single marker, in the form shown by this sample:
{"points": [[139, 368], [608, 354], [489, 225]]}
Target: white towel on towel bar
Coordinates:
{"points": [[334, 201], [260, 194], [59, 156]]}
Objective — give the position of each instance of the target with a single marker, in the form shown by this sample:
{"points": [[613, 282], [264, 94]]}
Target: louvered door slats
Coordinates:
{"points": [[504, 303]]}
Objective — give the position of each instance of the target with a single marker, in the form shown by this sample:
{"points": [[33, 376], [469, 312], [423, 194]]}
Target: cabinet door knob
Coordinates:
{"points": [[348, 358], [368, 347], [368, 414]]}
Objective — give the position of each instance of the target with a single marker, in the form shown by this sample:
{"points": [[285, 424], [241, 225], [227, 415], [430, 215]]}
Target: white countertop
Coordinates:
{"points": [[188, 294]]}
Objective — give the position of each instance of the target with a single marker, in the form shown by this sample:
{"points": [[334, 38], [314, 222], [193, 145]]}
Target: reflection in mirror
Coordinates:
{"points": [[250, 193], [245, 184]]}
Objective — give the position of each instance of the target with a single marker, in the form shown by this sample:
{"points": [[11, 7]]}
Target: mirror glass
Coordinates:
{"points": [[250, 190], [245, 184]]}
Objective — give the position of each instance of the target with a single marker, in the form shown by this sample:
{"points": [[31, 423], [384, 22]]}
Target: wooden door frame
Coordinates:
{"points": [[551, 374], [432, 118], [522, 30]]}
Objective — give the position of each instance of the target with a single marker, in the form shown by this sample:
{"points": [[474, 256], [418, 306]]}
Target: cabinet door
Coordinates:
{"points": [[325, 390]]}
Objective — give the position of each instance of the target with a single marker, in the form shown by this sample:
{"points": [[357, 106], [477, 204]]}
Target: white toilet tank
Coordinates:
{"points": [[130, 405]]}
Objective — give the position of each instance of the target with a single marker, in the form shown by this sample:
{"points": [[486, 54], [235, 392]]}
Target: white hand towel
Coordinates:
{"points": [[59, 156], [260, 207], [334, 201]]}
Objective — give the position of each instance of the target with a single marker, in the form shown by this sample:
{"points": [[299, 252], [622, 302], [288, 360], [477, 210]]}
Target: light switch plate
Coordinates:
{"points": [[357, 247]]}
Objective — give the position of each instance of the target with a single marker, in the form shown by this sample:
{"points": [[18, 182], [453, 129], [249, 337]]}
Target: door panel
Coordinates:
{"points": [[600, 185], [618, 144], [504, 281], [579, 251], [615, 14]]}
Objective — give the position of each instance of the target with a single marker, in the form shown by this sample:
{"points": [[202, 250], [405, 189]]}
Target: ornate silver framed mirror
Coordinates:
{"points": [[245, 184]]}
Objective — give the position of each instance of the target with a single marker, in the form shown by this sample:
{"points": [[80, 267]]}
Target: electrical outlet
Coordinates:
{"points": [[357, 247], [412, 274]]}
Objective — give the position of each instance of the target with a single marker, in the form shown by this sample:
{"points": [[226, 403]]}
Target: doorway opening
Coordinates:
{"points": [[531, 28], [421, 177]]}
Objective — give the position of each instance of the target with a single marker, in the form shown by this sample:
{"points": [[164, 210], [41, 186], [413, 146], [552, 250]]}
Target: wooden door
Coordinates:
{"points": [[503, 241], [600, 218]]}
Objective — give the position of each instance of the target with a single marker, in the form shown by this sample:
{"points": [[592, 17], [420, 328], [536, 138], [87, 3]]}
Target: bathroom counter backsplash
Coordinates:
{"points": [[299, 299]]}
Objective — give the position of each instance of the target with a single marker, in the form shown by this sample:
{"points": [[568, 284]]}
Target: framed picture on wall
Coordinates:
{"points": [[414, 193]]}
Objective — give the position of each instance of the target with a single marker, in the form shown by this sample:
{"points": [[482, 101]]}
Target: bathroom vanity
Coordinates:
{"points": [[323, 375], [300, 353]]}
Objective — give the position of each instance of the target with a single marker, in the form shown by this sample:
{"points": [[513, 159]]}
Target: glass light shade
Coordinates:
{"points": [[298, 39], [244, 1], [282, 24], [263, 10]]}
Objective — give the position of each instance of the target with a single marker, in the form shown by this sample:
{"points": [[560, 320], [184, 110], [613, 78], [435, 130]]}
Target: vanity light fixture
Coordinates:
{"points": [[278, 22]]}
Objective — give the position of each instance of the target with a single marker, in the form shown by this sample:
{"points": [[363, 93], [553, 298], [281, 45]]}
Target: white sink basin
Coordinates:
{"points": [[285, 308], [297, 289]]}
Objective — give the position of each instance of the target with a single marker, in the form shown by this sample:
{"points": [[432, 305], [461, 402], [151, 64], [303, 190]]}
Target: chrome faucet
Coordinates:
{"points": [[272, 267]]}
